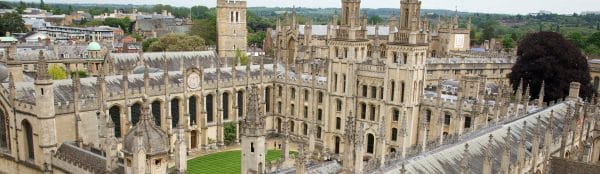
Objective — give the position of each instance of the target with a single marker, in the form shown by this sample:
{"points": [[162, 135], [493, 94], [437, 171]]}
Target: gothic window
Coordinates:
{"points": [[237, 16], [428, 115], [383, 52], [345, 52], [372, 108], [231, 15], [305, 129], [156, 112], [135, 113], [225, 106], [320, 100], [280, 89], [402, 85], [4, 133], [192, 102], [115, 116], [364, 90], [335, 79], [338, 123], [369, 51], [337, 52], [447, 117], [240, 103], [337, 145], [28, 135], [394, 134], [209, 108], [306, 95], [373, 92], [319, 114], [344, 83], [370, 143], [279, 110], [363, 111], [319, 132], [395, 57], [267, 99], [305, 112], [381, 93], [393, 91], [292, 126], [356, 53], [251, 147], [292, 109], [338, 105], [467, 122], [396, 115], [174, 112], [404, 61], [293, 93], [279, 125]]}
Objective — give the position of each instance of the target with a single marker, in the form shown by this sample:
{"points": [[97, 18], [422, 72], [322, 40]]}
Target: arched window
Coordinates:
{"points": [[292, 110], [372, 109], [363, 111], [338, 105], [319, 114], [268, 99], [344, 83], [4, 133], [369, 50], [225, 106], [305, 112], [209, 108], [305, 129], [336, 148], [293, 93], [394, 134], [192, 103], [335, 81], [174, 112], [292, 126], [306, 95], [393, 90], [396, 115], [319, 132], [232, 16], [402, 85], [115, 116], [447, 118], [320, 100], [280, 89], [279, 125], [240, 103], [156, 112], [135, 113], [370, 143], [28, 135], [467, 122], [338, 123], [364, 90], [279, 108], [428, 115], [237, 16]]}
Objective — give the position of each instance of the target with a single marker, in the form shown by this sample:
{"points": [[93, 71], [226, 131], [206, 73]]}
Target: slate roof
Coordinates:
{"points": [[69, 152], [448, 159]]}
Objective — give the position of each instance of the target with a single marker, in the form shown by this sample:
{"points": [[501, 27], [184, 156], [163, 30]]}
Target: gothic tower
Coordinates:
{"points": [[231, 27], [44, 98], [253, 135]]}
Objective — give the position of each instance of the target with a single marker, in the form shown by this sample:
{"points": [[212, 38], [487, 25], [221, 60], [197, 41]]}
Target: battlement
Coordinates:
{"points": [[231, 3]]}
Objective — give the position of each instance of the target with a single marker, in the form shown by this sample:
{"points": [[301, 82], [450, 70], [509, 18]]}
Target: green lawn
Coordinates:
{"points": [[223, 162]]}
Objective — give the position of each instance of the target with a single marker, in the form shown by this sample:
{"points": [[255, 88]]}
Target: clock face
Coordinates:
{"points": [[193, 81]]}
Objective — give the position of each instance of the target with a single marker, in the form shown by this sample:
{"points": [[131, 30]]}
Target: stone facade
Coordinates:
{"points": [[231, 27]]}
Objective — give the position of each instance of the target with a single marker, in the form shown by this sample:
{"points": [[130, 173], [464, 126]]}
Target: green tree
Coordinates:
{"points": [[57, 72], [594, 39], [21, 7], [577, 39], [229, 133], [201, 12], [548, 57], [205, 28], [508, 43], [146, 44], [44, 6], [488, 33], [82, 74], [178, 42], [12, 22], [124, 23], [256, 38], [243, 58], [376, 20]]}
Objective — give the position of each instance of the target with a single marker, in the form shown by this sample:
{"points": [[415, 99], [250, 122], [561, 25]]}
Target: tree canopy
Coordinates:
{"points": [[178, 42], [11, 22], [57, 72], [548, 57]]}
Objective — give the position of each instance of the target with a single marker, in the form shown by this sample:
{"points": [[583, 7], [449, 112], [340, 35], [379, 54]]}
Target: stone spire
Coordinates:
{"points": [[540, 103], [180, 151], [254, 122], [536, 144], [548, 136], [110, 147], [505, 162], [76, 105], [42, 69], [465, 160], [521, 148], [488, 157], [301, 161]]}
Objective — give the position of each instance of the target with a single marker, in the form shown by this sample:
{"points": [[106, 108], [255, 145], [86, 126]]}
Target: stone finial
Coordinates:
{"points": [[540, 103], [465, 160], [42, 68]]}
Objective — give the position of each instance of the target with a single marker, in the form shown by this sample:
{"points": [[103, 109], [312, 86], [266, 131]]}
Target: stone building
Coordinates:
{"points": [[450, 36], [358, 100], [231, 26]]}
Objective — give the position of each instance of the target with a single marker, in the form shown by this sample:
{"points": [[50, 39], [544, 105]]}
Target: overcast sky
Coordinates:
{"points": [[487, 6]]}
